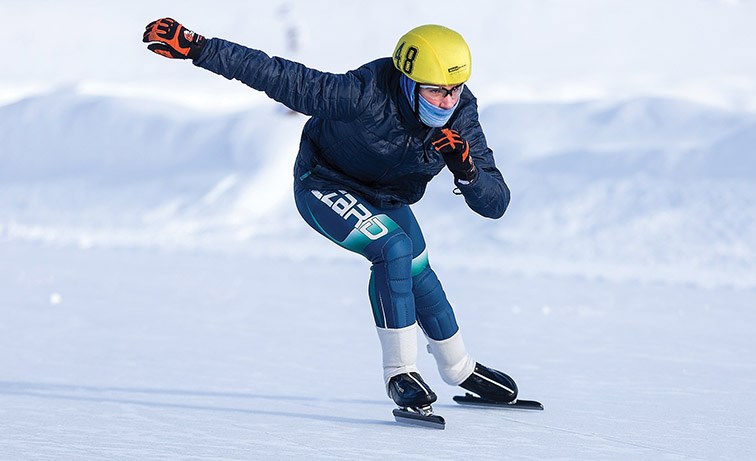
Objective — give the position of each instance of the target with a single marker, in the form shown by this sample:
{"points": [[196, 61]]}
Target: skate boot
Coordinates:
{"points": [[491, 384], [409, 390]]}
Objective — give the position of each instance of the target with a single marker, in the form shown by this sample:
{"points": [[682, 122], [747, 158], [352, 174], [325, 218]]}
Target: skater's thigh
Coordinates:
{"points": [[346, 219]]}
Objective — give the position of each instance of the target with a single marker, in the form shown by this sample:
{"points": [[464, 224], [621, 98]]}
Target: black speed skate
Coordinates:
{"points": [[494, 389], [491, 384], [414, 399], [409, 390]]}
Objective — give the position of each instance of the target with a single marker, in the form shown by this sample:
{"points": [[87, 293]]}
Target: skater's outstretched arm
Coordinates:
{"points": [[312, 92]]}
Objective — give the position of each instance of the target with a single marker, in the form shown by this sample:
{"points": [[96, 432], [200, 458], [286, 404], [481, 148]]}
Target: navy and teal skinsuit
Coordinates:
{"points": [[364, 157]]}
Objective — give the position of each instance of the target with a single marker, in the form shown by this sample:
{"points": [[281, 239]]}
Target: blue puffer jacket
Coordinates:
{"points": [[363, 135]]}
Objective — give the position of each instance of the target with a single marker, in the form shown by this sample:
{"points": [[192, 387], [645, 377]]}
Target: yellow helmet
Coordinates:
{"points": [[434, 55]]}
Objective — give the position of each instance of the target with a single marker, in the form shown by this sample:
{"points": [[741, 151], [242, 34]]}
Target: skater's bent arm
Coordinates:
{"points": [[487, 195]]}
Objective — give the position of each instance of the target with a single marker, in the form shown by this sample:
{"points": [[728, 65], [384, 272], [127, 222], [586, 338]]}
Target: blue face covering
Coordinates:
{"points": [[430, 115]]}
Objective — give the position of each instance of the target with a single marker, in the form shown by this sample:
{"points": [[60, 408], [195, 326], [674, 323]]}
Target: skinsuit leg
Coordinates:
{"points": [[404, 291]]}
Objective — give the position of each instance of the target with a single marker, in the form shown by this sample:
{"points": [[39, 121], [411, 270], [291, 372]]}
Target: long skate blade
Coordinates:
{"points": [[406, 416], [473, 400]]}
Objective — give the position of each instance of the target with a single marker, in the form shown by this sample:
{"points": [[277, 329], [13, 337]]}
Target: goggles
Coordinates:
{"points": [[439, 92]]}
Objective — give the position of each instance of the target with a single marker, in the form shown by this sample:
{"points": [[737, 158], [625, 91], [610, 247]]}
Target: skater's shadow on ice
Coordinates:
{"points": [[182, 399]]}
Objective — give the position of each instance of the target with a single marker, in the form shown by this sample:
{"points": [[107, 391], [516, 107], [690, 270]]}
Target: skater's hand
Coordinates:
{"points": [[167, 37], [456, 154]]}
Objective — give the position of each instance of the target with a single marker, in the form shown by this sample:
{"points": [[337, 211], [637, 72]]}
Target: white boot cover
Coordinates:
{"points": [[399, 350], [454, 363]]}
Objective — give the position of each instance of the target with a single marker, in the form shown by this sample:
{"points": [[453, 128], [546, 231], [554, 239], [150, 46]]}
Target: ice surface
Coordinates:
{"points": [[195, 355]]}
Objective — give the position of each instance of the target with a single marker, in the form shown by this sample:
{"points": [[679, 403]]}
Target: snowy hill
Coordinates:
{"points": [[599, 189]]}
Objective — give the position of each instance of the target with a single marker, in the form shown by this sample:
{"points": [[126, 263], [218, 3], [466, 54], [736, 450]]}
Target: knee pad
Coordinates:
{"points": [[390, 285], [397, 258], [434, 312]]}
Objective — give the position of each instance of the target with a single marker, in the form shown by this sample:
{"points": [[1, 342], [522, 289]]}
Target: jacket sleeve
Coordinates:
{"points": [[487, 195], [308, 91]]}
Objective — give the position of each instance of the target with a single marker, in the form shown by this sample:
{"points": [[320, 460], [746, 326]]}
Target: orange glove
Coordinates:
{"points": [[173, 40], [456, 154]]}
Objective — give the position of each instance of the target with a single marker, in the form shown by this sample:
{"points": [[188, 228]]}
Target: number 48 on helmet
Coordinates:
{"points": [[433, 54]]}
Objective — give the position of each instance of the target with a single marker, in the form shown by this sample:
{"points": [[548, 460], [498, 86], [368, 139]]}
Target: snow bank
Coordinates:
{"points": [[649, 189]]}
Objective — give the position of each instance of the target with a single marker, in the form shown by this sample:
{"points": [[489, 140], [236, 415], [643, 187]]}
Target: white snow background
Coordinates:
{"points": [[160, 298]]}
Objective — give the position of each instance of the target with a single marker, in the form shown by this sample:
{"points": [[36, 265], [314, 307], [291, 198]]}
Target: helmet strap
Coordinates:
{"points": [[416, 109]]}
